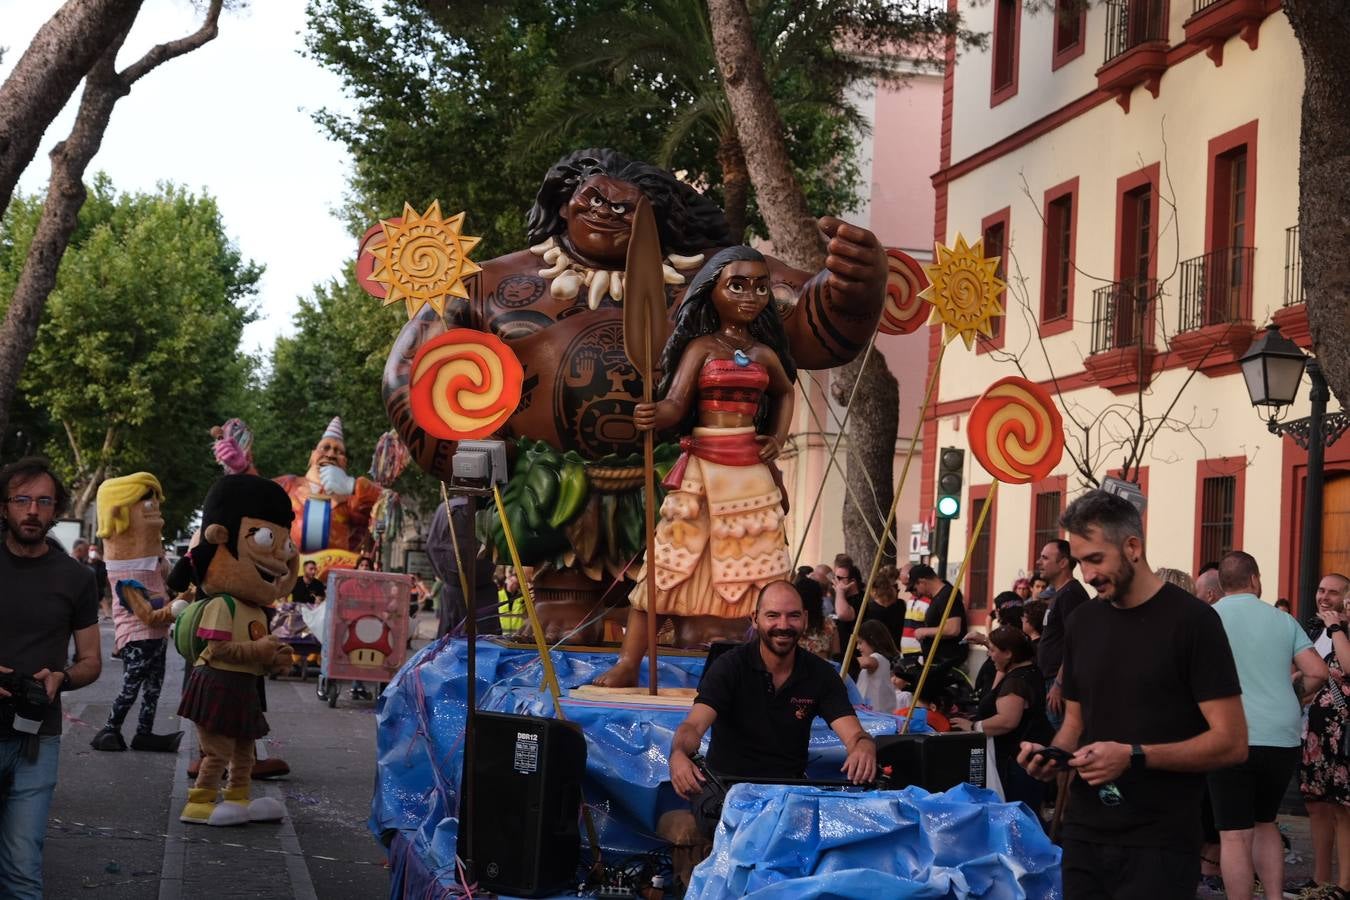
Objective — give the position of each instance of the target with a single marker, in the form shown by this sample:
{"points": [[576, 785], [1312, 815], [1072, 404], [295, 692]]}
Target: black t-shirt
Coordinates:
{"points": [[305, 592], [1028, 683], [1140, 675], [845, 628], [760, 732], [950, 650], [1050, 653], [43, 602], [893, 617]]}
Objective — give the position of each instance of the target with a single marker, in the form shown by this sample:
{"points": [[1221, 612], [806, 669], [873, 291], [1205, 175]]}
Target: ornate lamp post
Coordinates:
{"points": [[1273, 367]]}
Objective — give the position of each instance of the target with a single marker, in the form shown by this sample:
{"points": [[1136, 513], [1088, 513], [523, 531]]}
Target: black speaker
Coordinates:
{"points": [[935, 762], [527, 798]]}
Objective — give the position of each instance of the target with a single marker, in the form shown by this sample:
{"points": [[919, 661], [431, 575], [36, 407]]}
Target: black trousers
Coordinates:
{"points": [[1110, 872]]}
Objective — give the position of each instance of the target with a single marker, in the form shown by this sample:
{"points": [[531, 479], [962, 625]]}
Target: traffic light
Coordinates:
{"points": [[951, 468]]}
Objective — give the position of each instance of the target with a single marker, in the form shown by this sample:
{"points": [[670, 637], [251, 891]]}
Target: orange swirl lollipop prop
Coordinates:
{"points": [[904, 310], [465, 385], [1016, 431]]}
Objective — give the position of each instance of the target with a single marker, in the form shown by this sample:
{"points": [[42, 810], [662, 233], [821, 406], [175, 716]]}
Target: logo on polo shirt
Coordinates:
{"points": [[802, 706]]}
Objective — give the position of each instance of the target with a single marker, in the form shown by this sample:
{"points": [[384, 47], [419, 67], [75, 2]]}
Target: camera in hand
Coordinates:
{"points": [[29, 698]]}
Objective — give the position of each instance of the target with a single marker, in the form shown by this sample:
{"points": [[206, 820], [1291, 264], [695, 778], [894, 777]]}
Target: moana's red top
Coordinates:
{"points": [[724, 386]]}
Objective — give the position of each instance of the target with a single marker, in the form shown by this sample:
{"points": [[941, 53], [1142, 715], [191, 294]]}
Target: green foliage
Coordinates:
{"points": [[138, 351], [331, 366], [440, 96], [471, 102]]}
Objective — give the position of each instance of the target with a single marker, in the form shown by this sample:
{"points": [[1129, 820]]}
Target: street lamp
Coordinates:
{"points": [[1273, 367]]}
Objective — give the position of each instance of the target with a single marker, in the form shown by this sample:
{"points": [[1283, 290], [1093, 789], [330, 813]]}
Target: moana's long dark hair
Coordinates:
{"points": [[697, 316], [687, 221]]}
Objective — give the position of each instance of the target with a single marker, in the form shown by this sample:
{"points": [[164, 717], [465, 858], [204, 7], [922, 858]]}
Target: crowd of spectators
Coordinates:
{"points": [[1226, 700]]}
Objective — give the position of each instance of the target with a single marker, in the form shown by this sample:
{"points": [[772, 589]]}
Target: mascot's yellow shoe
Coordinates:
{"points": [[233, 810], [201, 803]]}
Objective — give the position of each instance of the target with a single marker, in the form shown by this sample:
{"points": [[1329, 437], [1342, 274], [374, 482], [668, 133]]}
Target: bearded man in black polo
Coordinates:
{"points": [[760, 700]]}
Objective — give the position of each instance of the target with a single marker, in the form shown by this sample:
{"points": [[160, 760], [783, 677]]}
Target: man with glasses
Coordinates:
{"points": [[47, 599], [1151, 703]]}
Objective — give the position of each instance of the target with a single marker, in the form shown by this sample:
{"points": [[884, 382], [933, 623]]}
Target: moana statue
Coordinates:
{"points": [[558, 305], [729, 374]]}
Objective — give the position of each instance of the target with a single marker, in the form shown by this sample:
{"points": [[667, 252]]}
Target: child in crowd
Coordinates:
{"points": [[875, 652]]}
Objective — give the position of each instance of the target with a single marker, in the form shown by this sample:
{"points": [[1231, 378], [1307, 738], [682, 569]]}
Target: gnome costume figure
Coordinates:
{"points": [[130, 524], [332, 509], [244, 561]]}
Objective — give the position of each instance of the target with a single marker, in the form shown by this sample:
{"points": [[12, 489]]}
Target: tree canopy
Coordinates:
{"points": [[330, 366], [138, 354], [470, 103]]}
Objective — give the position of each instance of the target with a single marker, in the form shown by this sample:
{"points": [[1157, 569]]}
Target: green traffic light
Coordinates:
{"points": [[948, 507]]}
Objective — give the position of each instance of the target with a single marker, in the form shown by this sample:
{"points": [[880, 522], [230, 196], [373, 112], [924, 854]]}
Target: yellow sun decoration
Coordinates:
{"points": [[424, 259], [964, 289]]}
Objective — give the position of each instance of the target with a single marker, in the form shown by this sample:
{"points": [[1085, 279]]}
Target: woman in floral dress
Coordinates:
{"points": [[1324, 774]]}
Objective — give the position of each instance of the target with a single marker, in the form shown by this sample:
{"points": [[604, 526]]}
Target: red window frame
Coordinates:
{"points": [[1221, 153], [1005, 46], [1055, 483], [1001, 219], [1234, 466], [1070, 16], [1127, 188], [1051, 260], [980, 493]]}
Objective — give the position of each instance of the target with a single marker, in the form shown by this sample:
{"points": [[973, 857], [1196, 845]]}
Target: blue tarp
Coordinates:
{"points": [[829, 844], [798, 842]]}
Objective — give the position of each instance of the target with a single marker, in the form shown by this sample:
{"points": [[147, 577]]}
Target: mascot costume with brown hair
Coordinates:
{"points": [[244, 561]]}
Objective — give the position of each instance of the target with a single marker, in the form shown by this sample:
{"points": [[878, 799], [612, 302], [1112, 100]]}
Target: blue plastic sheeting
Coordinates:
{"points": [[798, 842], [420, 743]]}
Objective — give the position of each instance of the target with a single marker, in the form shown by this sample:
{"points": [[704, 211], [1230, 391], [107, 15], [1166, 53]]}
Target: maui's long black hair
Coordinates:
{"points": [[688, 222], [697, 316]]}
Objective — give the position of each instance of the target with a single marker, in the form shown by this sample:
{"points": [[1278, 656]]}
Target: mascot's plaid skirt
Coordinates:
{"points": [[224, 703]]}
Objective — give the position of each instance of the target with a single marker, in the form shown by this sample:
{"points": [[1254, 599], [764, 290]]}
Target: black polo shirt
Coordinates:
{"points": [[760, 732]]}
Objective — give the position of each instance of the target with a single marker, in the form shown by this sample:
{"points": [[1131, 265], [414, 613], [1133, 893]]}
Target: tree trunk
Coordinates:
{"points": [[874, 419], [1323, 33], [66, 194], [47, 74], [735, 184], [797, 241], [792, 228]]}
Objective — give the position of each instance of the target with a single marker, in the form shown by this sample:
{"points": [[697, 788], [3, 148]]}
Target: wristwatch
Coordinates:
{"points": [[65, 680], [1332, 629], [1138, 762]]}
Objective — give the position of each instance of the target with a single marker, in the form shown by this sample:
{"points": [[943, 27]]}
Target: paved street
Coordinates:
{"points": [[114, 823]]}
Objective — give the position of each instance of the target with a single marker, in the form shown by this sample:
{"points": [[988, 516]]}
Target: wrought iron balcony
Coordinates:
{"points": [[1122, 315], [1216, 288], [1293, 268], [1130, 23]]}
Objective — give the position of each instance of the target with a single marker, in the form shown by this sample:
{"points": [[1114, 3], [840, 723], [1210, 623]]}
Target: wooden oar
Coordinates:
{"points": [[644, 329]]}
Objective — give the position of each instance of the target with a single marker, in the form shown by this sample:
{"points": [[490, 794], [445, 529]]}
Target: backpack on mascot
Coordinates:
{"points": [[184, 630]]}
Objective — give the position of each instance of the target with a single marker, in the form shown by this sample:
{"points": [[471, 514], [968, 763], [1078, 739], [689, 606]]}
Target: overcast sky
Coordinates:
{"points": [[231, 119]]}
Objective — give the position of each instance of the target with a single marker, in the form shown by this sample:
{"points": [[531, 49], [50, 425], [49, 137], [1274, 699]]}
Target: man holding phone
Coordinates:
{"points": [[1151, 703]]}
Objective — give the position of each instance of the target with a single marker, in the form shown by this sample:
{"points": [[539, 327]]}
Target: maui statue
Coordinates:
{"points": [[558, 306], [728, 372]]}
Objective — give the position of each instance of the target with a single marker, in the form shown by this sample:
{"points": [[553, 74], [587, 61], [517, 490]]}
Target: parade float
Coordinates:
{"points": [[636, 368]]}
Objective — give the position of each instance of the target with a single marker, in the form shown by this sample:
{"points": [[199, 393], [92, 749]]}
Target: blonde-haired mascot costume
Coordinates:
{"points": [[244, 561], [130, 524]]}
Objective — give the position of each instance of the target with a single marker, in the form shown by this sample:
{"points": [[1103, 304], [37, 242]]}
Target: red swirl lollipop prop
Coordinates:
{"points": [[1016, 431], [465, 385], [904, 311]]}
